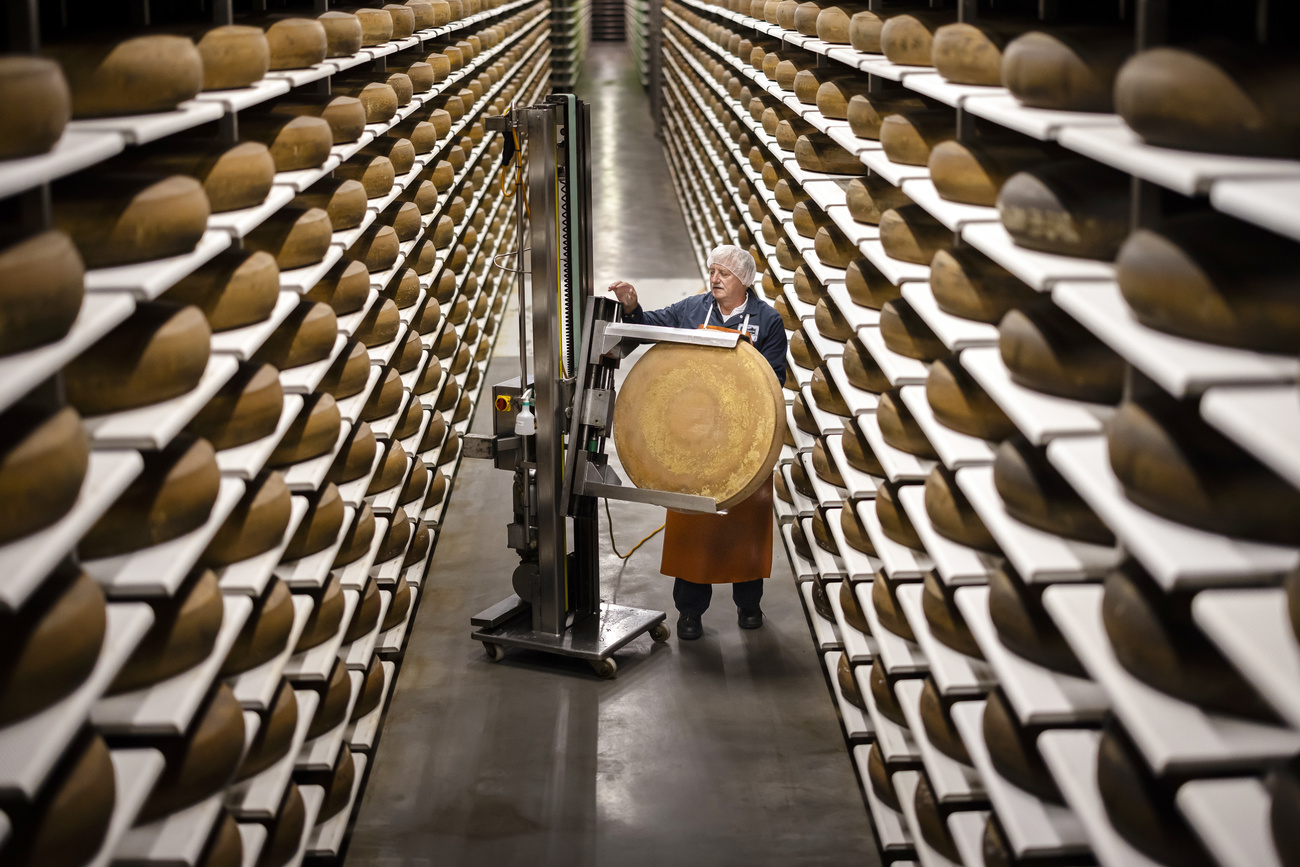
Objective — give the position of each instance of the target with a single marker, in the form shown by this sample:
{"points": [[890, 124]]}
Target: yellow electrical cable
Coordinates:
{"points": [[609, 524]]}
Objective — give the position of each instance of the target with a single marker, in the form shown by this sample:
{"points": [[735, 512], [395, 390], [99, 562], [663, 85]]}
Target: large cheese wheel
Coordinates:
{"points": [[972, 172], [870, 196], [1211, 278], [419, 74], [50, 645], [396, 539], [136, 75], [376, 26], [338, 786], [121, 218], [343, 199], [882, 693], [416, 481], [404, 288], [266, 632], [860, 456], [808, 83], [906, 333], [867, 285], [884, 598], [41, 288], [345, 287], [961, 404], [285, 832], [385, 399], [422, 10], [403, 20], [172, 496], [909, 136], [900, 429], [1074, 207], [1047, 350], [294, 235], [342, 33], [396, 149], [345, 114], [183, 633], [911, 234], [422, 194], [1170, 462], [834, 21], [968, 284], [66, 824], [430, 378], [826, 394], [375, 173], [158, 353], [235, 289], [306, 336], [356, 539], [971, 53], [256, 525], [939, 609], [1035, 493], [356, 457], [318, 530], [866, 112], [908, 38], [233, 56], [246, 409], [422, 135], [411, 420], [1023, 624], [295, 143], [835, 93], [35, 105], [201, 763], [1013, 750], [296, 43], [349, 373], [1066, 69], [313, 433], [377, 248], [834, 248], [865, 27]]}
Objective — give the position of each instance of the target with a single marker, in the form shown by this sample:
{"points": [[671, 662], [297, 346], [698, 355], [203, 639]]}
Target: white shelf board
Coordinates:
{"points": [[249, 577], [147, 280], [175, 840], [1177, 556], [252, 837], [167, 708], [259, 797], [312, 797], [244, 342], [826, 422], [138, 129], [899, 561], [804, 570], [23, 371], [1264, 420], [322, 752], [134, 773], [954, 673], [160, 569], [858, 485], [826, 634], [75, 150], [1040, 417], [30, 747], [1174, 736], [357, 655], [892, 833], [301, 280], [326, 838], [858, 401], [1232, 819], [896, 270], [905, 784], [1040, 123], [858, 316], [967, 830], [956, 564], [255, 688], [301, 179], [956, 333], [310, 572], [25, 562], [1179, 365], [239, 223], [362, 733], [896, 743], [857, 726], [1038, 695], [895, 173], [1033, 828], [955, 449], [1252, 628], [307, 476], [246, 461], [860, 648], [1273, 203], [898, 369], [899, 656], [241, 98], [899, 466], [953, 782], [153, 427], [1041, 271], [315, 664], [954, 215]]}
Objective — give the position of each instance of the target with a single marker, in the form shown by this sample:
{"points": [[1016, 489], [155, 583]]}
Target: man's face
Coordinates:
{"points": [[725, 285]]}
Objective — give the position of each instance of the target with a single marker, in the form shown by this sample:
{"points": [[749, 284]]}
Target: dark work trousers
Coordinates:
{"points": [[694, 599]]}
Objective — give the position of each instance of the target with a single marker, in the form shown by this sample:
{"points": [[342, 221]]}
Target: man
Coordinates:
{"points": [[733, 548]]}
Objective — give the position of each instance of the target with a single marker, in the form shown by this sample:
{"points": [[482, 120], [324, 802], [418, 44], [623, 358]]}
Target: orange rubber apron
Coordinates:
{"points": [[724, 548]]}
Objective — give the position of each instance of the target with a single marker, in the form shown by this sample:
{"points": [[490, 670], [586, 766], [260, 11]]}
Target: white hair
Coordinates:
{"points": [[736, 260]]}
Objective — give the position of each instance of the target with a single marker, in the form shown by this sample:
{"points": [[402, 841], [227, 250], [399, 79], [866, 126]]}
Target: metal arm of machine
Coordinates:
{"points": [[623, 337]]}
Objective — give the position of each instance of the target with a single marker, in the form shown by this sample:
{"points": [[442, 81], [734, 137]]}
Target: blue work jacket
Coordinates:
{"points": [[764, 328]]}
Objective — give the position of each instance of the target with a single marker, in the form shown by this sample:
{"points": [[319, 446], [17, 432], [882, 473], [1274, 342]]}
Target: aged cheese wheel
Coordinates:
{"points": [[848, 684], [312, 434], [140, 74], [1067, 69], [246, 409], [882, 694], [835, 20], [827, 395], [327, 616], [831, 323], [338, 786], [50, 646], [868, 286], [442, 12], [294, 235], [858, 452], [952, 515], [366, 616], [929, 819], [861, 369], [786, 130], [422, 11], [319, 528], [404, 288], [893, 519], [256, 525], [415, 484], [968, 284], [971, 53], [945, 620], [266, 632], [235, 289], [284, 835], [342, 33], [899, 428], [422, 194], [348, 374], [1141, 806], [1024, 626], [908, 38], [404, 218], [866, 113], [183, 634], [345, 287], [428, 318], [118, 218], [295, 143], [420, 134], [421, 540], [1215, 96], [936, 719], [1074, 207], [451, 53], [1215, 279], [911, 234], [377, 248], [870, 196], [849, 605], [1035, 493], [447, 344], [233, 56], [884, 598], [1171, 462], [372, 688], [878, 775], [403, 20], [332, 711], [67, 823], [434, 435], [306, 336], [1013, 749], [1157, 641], [680, 425], [35, 108], [385, 399], [834, 248], [808, 218], [41, 288], [345, 114], [395, 540], [823, 466], [158, 353], [906, 333], [909, 136], [817, 152], [203, 761], [412, 418], [376, 26], [808, 83], [391, 470], [357, 538], [1047, 350], [296, 43], [343, 199], [959, 402], [865, 27], [973, 172], [407, 358], [378, 99], [43, 461], [437, 489], [357, 456]]}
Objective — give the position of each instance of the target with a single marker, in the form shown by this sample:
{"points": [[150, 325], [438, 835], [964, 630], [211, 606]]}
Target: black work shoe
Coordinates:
{"points": [[689, 627], [749, 619]]}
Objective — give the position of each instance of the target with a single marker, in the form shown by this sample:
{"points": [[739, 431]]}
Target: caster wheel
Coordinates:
{"points": [[495, 652], [606, 668], [660, 633]]}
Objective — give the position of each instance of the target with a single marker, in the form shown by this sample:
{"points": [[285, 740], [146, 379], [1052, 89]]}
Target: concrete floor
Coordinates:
{"points": [[722, 751]]}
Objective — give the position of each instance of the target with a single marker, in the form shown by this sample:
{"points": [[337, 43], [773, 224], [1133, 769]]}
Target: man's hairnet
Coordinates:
{"points": [[736, 260]]}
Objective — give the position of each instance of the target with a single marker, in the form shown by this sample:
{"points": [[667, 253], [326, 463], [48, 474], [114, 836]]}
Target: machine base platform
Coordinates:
{"points": [[594, 638]]}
